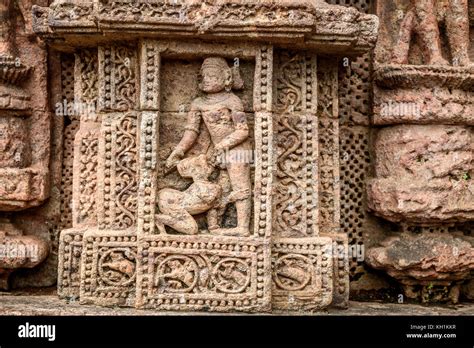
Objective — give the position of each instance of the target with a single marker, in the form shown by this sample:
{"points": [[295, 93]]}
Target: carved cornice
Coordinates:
{"points": [[312, 23], [394, 76]]}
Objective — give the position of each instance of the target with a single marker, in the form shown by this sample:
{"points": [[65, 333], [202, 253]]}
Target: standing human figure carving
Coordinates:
{"points": [[224, 116], [422, 20]]}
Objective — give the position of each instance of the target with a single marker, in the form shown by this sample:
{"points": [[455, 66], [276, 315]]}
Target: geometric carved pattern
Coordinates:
{"points": [[364, 6], [263, 141], [86, 143], [341, 270], [71, 126], [354, 94], [86, 80], [150, 65], [86, 152], [355, 166]]}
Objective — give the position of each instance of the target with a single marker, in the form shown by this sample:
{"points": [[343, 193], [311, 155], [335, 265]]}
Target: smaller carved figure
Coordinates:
{"points": [[232, 275], [422, 20], [292, 272], [181, 275], [177, 208], [119, 266]]}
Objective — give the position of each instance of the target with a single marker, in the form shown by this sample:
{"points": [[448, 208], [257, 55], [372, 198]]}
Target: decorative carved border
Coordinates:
{"points": [[149, 135], [318, 25], [118, 83], [328, 116], [203, 273], [341, 270], [150, 65], [119, 171], [69, 263], [296, 136], [263, 84]]}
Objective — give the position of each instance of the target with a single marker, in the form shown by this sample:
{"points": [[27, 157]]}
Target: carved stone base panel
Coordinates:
{"points": [[204, 273], [108, 268], [302, 270], [69, 267]]}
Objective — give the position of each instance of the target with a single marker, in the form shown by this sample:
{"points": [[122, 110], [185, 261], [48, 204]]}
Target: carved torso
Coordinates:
{"points": [[221, 114]]}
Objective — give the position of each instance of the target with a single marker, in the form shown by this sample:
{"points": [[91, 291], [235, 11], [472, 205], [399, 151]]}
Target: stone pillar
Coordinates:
{"points": [[424, 151], [24, 141]]}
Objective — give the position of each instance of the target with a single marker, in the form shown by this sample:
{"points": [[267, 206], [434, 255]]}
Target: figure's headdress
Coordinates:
{"points": [[235, 81]]}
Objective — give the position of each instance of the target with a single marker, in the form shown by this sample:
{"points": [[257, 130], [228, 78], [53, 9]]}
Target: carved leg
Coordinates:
{"points": [[428, 31], [181, 221], [239, 175], [172, 214], [213, 220], [457, 22], [402, 49]]}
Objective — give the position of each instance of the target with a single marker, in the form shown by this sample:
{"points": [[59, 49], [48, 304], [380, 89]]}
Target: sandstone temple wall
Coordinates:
{"points": [[356, 155]]}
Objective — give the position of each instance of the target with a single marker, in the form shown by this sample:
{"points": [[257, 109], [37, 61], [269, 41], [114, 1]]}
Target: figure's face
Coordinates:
{"points": [[196, 168], [213, 80]]}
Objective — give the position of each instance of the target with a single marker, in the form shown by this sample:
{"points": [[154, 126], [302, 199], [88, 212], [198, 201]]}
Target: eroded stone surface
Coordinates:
{"points": [[18, 251], [24, 153], [436, 262], [423, 174]]}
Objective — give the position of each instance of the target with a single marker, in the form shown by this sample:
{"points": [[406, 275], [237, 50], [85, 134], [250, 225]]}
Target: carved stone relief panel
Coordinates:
{"points": [[207, 180], [307, 184], [223, 263]]}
